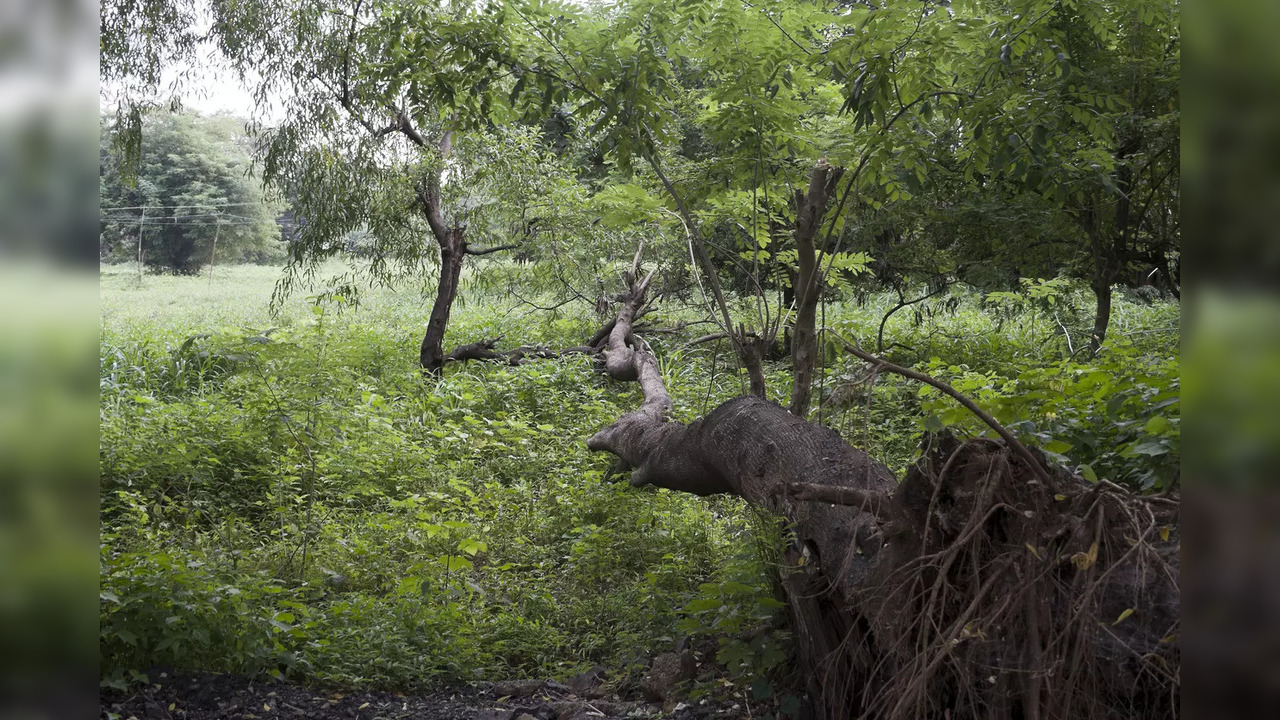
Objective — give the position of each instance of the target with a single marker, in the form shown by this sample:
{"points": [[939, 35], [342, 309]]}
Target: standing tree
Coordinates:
{"points": [[192, 193], [388, 114], [1079, 102]]}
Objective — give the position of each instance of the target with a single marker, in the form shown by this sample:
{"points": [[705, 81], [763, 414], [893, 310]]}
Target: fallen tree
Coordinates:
{"points": [[987, 584]]}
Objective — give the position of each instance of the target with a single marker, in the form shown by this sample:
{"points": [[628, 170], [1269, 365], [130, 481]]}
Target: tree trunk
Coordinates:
{"points": [[452, 253], [1101, 318], [810, 208], [751, 350], [930, 606], [804, 354], [979, 587]]}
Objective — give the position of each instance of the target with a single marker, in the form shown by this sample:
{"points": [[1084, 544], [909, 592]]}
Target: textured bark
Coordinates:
{"points": [[875, 636], [619, 357], [811, 206], [753, 448], [751, 349], [431, 354]]}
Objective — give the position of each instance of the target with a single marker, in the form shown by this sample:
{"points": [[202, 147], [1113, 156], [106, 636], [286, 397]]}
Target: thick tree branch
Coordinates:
{"points": [[430, 194], [619, 356], [710, 337], [871, 501], [484, 350]]}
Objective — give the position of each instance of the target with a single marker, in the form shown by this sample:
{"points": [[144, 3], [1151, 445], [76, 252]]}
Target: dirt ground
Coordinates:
{"points": [[190, 696]]}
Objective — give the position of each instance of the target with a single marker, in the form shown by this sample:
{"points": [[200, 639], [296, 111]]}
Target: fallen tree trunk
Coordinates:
{"points": [[981, 586]]}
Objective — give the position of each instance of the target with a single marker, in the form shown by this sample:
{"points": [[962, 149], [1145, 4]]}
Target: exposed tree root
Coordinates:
{"points": [[999, 595]]}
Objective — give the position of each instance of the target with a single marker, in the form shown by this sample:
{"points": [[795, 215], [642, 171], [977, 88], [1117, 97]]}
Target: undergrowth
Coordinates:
{"points": [[287, 495]]}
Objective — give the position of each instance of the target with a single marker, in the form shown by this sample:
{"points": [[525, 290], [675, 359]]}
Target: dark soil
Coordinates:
{"points": [[204, 696]]}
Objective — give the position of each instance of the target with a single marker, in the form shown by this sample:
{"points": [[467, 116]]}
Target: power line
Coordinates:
{"points": [[192, 224], [174, 207], [130, 219]]}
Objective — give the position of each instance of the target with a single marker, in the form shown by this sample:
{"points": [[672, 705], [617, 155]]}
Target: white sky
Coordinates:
{"points": [[205, 85], [210, 89], [51, 63]]}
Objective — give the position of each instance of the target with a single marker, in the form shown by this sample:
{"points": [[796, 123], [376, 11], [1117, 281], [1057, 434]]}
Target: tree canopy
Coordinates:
{"points": [[194, 188], [974, 141]]}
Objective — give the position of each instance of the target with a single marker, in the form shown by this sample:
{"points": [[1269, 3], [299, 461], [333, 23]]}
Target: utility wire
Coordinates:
{"points": [[193, 224], [149, 218], [174, 207]]}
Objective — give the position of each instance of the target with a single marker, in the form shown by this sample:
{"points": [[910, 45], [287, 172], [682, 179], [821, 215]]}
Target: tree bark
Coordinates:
{"points": [[431, 355], [453, 253], [1102, 317], [810, 209], [751, 349]]}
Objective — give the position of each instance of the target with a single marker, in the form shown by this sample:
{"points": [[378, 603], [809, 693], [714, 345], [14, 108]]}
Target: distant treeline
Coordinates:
{"points": [[191, 199]]}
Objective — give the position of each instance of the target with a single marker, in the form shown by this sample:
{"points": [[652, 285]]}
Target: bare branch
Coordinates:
{"points": [[707, 338]]}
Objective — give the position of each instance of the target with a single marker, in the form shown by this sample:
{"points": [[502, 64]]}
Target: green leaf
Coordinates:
{"points": [[1151, 448], [1157, 425], [703, 605], [1058, 446]]}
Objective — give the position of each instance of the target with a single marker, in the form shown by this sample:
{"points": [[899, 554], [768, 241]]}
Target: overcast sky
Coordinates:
{"points": [[203, 85]]}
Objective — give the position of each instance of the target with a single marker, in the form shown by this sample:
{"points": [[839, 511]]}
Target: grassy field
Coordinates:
{"points": [[285, 494]]}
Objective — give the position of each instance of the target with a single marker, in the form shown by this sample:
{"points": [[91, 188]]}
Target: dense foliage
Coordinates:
{"points": [[981, 141], [286, 496], [192, 200], [983, 190]]}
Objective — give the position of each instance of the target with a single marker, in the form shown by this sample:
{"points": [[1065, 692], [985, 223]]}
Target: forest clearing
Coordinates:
{"points": [[646, 359]]}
